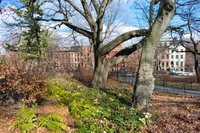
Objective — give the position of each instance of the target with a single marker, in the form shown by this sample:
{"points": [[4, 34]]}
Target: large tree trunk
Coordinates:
{"points": [[102, 70], [101, 73], [144, 85], [196, 67]]}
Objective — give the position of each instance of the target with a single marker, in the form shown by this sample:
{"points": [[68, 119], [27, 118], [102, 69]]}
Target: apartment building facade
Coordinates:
{"points": [[170, 57], [70, 58]]}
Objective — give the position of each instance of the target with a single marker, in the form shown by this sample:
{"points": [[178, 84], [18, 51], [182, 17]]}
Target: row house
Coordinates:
{"points": [[170, 57], [71, 57]]}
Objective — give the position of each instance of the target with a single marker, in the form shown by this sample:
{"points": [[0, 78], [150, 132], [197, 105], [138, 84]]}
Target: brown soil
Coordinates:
{"points": [[176, 114]]}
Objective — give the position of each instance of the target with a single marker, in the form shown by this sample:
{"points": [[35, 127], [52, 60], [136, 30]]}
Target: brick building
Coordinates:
{"points": [[133, 60], [71, 58]]}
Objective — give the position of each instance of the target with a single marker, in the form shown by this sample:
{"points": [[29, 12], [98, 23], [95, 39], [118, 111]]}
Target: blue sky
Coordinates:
{"points": [[127, 19], [124, 24]]}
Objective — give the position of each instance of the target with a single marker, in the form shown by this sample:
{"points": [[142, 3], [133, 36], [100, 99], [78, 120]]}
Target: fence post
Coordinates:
{"points": [[184, 89]]}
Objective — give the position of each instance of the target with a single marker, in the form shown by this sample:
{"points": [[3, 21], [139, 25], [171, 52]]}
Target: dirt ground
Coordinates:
{"points": [[176, 114]]}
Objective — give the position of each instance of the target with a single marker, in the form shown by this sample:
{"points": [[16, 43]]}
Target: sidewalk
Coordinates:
{"points": [[186, 92], [179, 91]]}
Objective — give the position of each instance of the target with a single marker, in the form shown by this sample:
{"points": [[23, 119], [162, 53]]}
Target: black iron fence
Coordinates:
{"points": [[184, 85]]}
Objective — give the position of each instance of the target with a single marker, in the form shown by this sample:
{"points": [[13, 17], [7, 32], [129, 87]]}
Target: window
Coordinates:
{"points": [[167, 56], [163, 56], [181, 56], [163, 64], [181, 64], [172, 56], [177, 63], [172, 64], [167, 64], [176, 56]]}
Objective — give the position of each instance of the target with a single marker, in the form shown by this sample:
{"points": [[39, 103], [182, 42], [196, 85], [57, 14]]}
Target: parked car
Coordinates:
{"points": [[188, 73], [181, 73]]}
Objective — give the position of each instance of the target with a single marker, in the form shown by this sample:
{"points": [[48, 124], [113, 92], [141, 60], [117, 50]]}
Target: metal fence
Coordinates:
{"points": [[164, 83]]}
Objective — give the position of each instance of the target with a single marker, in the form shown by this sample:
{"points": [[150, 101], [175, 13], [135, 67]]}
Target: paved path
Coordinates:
{"points": [[185, 92], [179, 91]]}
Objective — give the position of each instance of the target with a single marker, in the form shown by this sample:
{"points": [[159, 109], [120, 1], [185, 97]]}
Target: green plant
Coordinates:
{"points": [[56, 90], [29, 121], [81, 108], [53, 122], [100, 110]]}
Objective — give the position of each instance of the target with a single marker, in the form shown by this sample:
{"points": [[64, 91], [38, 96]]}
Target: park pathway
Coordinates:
{"points": [[186, 92]]}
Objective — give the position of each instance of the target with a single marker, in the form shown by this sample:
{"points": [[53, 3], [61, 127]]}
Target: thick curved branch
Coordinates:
{"points": [[71, 26], [151, 12], [75, 7], [87, 12], [125, 52], [102, 9], [96, 5], [129, 50], [122, 38]]}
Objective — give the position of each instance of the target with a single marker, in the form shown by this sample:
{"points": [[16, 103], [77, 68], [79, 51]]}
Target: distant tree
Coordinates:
{"points": [[188, 12], [33, 37], [47, 43]]}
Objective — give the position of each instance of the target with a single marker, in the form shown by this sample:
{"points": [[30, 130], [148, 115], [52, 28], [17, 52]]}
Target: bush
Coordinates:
{"points": [[84, 75], [17, 83]]}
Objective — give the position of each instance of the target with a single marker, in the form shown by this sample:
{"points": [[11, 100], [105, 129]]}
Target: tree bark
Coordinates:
{"points": [[196, 67], [100, 76], [144, 85]]}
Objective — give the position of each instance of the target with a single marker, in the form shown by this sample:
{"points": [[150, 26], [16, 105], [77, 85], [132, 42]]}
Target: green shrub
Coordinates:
{"points": [[82, 108], [29, 121], [100, 110], [53, 122]]}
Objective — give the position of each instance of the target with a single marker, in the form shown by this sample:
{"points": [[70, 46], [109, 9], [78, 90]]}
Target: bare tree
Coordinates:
{"points": [[144, 85], [188, 13], [92, 13]]}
